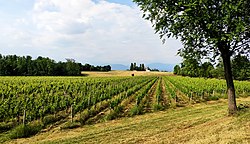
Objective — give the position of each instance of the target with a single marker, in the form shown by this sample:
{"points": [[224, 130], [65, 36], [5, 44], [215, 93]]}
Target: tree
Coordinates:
{"points": [[131, 67], [142, 67], [134, 66], [28, 62], [206, 69], [241, 67], [218, 72], [190, 67], [72, 68], [205, 27], [177, 69]]}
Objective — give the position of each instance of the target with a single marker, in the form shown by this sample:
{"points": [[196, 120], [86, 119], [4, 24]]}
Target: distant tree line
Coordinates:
{"points": [[193, 67], [141, 67], [88, 67], [133, 66], [12, 65], [154, 69]]}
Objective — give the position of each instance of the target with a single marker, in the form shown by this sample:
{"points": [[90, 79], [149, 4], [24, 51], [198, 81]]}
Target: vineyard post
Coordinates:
{"points": [[24, 116], [18, 117], [72, 116], [176, 98], [191, 96], [89, 103]]}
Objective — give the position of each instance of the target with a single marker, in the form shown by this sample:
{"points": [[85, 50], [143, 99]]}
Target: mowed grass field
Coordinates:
{"points": [[124, 73], [200, 123]]}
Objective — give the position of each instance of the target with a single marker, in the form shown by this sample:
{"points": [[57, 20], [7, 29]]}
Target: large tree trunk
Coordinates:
{"points": [[232, 108]]}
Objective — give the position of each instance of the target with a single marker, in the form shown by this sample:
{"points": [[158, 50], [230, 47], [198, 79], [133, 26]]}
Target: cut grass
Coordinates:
{"points": [[199, 123], [123, 73]]}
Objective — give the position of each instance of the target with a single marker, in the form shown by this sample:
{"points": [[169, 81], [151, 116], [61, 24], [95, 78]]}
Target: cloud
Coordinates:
{"points": [[89, 31]]}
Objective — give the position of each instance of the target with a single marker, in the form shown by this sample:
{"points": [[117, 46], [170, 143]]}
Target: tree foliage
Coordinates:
{"points": [[241, 67], [194, 68], [202, 25], [177, 69], [12, 65], [133, 66], [205, 27]]}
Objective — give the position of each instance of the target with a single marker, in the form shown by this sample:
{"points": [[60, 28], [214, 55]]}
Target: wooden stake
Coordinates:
{"points": [[24, 116], [72, 113]]}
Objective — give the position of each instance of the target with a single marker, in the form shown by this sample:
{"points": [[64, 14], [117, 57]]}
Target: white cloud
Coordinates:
{"points": [[95, 32]]}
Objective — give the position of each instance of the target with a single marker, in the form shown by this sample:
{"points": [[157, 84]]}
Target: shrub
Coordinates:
{"points": [[71, 125], [84, 116], [6, 126], [24, 131], [158, 107], [51, 119], [136, 110], [213, 98], [114, 113]]}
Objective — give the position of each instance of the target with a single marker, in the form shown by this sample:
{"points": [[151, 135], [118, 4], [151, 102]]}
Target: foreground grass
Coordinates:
{"points": [[200, 123]]}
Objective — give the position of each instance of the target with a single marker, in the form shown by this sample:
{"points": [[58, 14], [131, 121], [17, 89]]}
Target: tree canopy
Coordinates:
{"points": [[195, 68], [202, 25], [241, 67], [12, 65], [133, 66], [206, 28]]}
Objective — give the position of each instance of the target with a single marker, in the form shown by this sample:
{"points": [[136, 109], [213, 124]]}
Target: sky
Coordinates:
{"points": [[89, 31]]}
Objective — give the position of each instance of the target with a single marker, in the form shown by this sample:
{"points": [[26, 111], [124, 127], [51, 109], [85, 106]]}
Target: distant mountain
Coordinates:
{"points": [[119, 67], [161, 66]]}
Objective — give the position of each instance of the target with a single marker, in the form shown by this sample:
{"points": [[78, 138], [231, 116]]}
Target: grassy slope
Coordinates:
{"points": [[200, 123]]}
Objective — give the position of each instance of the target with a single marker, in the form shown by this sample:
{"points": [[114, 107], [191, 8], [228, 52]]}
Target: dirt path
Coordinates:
{"points": [[165, 95], [151, 97]]}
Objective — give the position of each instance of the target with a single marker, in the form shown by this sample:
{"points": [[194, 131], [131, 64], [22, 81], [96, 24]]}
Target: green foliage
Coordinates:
{"points": [[203, 26], [177, 69], [213, 98], [190, 67], [206, 28], [6, 126], [206, 70], [159, 92], [136, 110], [158, 107], [70, 125], [113, 104], [49, 119], [241, 67], [88, 67], [48, 99], [114, 113], [84, 116], [12, 65], [24, 131], [243, 106], [133, 66]]}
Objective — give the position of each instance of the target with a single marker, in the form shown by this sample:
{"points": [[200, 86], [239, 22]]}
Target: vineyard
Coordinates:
{"points": [[41, 103]]}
